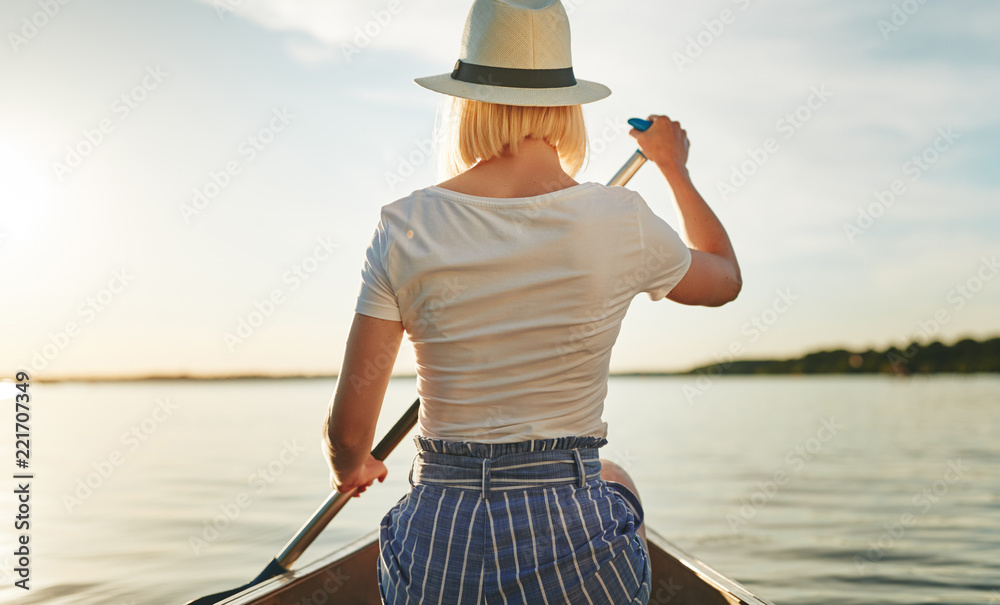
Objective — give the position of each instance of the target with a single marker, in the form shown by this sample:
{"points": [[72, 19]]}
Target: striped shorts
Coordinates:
{"points": [[527, 522]]}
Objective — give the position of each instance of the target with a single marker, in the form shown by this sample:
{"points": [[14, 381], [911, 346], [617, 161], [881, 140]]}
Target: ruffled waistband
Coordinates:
{"points": [[474, 449]]}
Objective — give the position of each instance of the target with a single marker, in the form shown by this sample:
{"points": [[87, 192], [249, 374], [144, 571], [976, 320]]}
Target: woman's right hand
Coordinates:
{"points": [[665, 143], [361, 478]]}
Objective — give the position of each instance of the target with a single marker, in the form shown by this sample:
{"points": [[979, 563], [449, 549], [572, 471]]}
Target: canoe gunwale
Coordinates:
{"points": [[707, 573], [267, 591], [252, 595]]}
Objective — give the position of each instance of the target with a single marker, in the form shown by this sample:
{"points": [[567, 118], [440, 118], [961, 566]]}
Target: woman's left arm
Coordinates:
{"points": [[349, 429]]}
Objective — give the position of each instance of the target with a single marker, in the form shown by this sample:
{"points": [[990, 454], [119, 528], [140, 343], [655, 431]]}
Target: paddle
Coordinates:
{"points": [[635, 162], [334, 502]]}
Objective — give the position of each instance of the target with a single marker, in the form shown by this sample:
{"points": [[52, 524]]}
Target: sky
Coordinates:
{"points": [[170, 171]]}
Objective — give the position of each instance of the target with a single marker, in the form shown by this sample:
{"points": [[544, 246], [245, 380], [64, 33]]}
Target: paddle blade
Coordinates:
{"points": [[273, 569]]}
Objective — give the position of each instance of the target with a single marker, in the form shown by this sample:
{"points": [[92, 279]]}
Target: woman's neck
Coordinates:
{"points": [[535, 170]]}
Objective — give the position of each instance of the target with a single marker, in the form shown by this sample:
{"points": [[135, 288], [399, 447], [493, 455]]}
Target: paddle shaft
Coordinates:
{"points": [[634, 163], [627, 171], [336, 500], [321, 518]]}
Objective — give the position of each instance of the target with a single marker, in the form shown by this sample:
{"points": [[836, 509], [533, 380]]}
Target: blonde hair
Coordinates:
{"points": [[470, 131]]}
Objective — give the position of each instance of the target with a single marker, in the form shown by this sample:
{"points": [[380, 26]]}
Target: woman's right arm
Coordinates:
{"points": [[713, 279]]}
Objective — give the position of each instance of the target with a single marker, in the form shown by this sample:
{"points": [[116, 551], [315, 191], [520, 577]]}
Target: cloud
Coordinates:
{"points": [[396, 25], [308, 52]]}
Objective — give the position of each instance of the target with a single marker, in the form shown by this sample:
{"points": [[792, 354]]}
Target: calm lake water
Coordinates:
{"points": [[807, 490]]}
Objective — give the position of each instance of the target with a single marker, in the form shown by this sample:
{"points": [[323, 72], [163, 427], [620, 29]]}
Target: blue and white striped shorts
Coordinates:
{"points": [[527, 522]]}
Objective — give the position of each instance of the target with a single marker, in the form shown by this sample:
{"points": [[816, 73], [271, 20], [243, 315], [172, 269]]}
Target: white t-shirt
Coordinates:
{"points": [[513, 304]]}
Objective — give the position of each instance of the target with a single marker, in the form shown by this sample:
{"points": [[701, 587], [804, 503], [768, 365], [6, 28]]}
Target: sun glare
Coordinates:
{"points": [[24, 194], [7, 390]]}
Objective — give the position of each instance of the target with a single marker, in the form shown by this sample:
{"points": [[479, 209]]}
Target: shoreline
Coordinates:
{"points": [[965, 357]]}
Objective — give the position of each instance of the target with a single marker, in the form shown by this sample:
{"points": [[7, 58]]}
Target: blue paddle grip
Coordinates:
{"points": [[639, 124]]}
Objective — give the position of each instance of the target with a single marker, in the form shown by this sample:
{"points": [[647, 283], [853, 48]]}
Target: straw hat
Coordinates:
{"points": [[516, 52]]}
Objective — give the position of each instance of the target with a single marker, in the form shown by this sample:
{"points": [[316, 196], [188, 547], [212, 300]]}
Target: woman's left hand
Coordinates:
{"points": [[371, 470]]}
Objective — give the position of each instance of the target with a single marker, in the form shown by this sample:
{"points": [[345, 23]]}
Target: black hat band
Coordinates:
{"points": [[513, 77]]}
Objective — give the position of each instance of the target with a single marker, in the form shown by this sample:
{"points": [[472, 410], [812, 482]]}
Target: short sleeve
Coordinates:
{"points": [[665, 257], [376, 297]]}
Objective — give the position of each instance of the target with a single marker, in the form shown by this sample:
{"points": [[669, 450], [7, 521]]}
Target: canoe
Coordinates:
{"points": [[347, 577]]}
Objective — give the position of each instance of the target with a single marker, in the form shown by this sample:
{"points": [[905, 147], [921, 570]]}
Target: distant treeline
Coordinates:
{"points": [[964, 357]]}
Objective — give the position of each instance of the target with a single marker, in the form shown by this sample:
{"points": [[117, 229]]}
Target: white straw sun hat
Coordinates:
{"points": [[516, 52]]}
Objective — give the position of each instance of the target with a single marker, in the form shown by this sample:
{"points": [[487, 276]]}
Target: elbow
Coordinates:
{"points": [[333, 439], [328, 441], [343, 443], [729, 292], [735, 287], [734, 283]]}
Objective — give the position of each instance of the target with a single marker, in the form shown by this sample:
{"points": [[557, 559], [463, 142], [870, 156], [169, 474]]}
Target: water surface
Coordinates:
{"points": [[807, 490]]}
